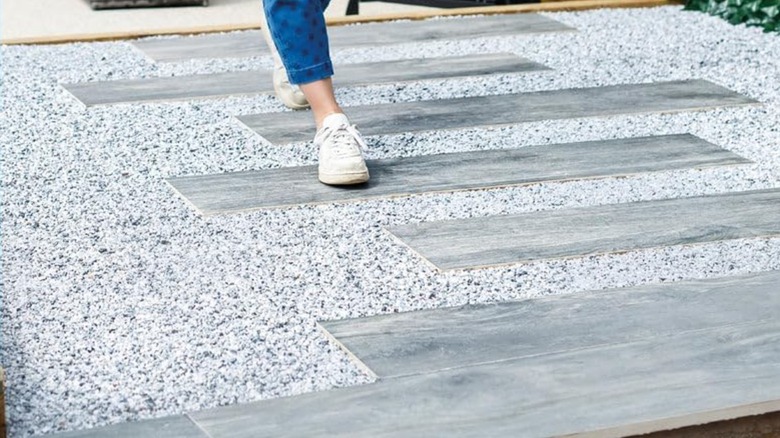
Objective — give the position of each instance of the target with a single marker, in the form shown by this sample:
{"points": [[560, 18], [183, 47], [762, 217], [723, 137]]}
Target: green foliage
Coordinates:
{"points": [[764, 13]]}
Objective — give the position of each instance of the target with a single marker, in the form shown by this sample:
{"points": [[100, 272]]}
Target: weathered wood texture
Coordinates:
{"points": [[578, 232], [606, 387], [3, 429], [245, 191], [255, 82], [507, 109], [373, 34], [427, 341], [167, 427]]}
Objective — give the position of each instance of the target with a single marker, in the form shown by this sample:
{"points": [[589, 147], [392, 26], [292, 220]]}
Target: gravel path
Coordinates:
{"points": [[119, 303]]}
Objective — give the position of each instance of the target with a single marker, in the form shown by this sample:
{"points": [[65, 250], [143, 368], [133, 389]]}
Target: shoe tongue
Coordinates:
{"points": [[335, 120]]}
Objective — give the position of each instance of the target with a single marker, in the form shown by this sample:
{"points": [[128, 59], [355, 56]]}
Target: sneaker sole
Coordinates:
{"points": [[343, 179]]}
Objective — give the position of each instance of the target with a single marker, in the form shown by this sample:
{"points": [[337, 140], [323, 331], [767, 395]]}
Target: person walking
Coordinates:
{"points": [[297, 37]]}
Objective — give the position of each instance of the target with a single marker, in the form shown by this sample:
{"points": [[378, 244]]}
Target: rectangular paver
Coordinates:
{"points": [[178, 426], [507, 109], [708, 369], [246, 44], [284, 187], [255, 82], [579, 232], [432, 340]]}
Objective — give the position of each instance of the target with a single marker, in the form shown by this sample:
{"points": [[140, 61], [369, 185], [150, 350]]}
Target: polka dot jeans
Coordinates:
{"points": [[298, 31]]}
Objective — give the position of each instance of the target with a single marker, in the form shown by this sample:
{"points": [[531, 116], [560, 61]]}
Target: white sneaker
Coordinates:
{"points": [[341, 157], [290, 95]]}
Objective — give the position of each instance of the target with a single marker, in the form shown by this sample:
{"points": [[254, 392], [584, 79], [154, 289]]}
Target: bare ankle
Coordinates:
{"points": [[319, 116]]}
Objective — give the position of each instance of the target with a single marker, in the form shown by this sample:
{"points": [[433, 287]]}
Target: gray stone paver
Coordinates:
{"points": [[368, 35], [295, 186], [507, 109]]}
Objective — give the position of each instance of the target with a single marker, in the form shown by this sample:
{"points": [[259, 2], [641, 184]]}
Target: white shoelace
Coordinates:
{"points": [[343, 137]]}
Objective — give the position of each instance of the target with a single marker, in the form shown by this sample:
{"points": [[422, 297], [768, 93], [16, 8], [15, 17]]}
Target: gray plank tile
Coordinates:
{"points": [[638, 386], [578, 232], [433, 340], [245, 191], [168, 427], [246, 44], [396, 118], [254, 82]]}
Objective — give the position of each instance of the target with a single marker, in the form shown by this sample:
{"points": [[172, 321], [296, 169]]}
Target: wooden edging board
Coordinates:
{"points": [[738, 421], [762, 425], [3, 432], [546, 6]]}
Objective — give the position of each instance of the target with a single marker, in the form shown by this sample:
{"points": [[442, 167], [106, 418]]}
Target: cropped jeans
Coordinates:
{"points": [[298, 30]]}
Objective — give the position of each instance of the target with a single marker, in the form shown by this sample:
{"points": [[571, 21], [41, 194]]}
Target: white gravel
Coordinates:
{"points": [[119, 303]]}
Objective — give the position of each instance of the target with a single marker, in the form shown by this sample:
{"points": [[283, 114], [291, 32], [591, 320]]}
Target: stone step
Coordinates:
{"points": [[247, 44], [578, 232], [257, 82], [177, 426], [613, 363], [421, 342], [293, 186], [507, 109], [699, 368]]}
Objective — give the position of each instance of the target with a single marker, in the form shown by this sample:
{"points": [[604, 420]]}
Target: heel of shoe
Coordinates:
{"points": [[286, 92]]}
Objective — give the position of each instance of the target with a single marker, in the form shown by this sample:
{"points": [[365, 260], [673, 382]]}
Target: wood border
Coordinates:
{"points": [[547, 6], [702, 424], [3, 431], [756, 426]]}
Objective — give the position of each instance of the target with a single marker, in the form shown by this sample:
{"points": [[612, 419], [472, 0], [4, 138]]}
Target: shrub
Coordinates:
{"points": [[764, 13]]}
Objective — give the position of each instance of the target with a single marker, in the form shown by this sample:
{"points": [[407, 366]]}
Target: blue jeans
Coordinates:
{"points": [[298, 30]]}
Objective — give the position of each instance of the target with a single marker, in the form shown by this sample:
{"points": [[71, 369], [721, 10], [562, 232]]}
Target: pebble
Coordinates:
{"points": [[119, 303]]}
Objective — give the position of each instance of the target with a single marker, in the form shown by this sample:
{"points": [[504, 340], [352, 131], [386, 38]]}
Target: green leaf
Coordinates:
{"points": [[772, 11], [761, 13], [753, 6]]}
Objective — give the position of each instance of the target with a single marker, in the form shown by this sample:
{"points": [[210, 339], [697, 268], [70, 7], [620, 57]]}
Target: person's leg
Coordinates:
{"points": [[290, 94], [320, 93], [292, 19], [297, 28], [320, 96], [299, 33]]}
